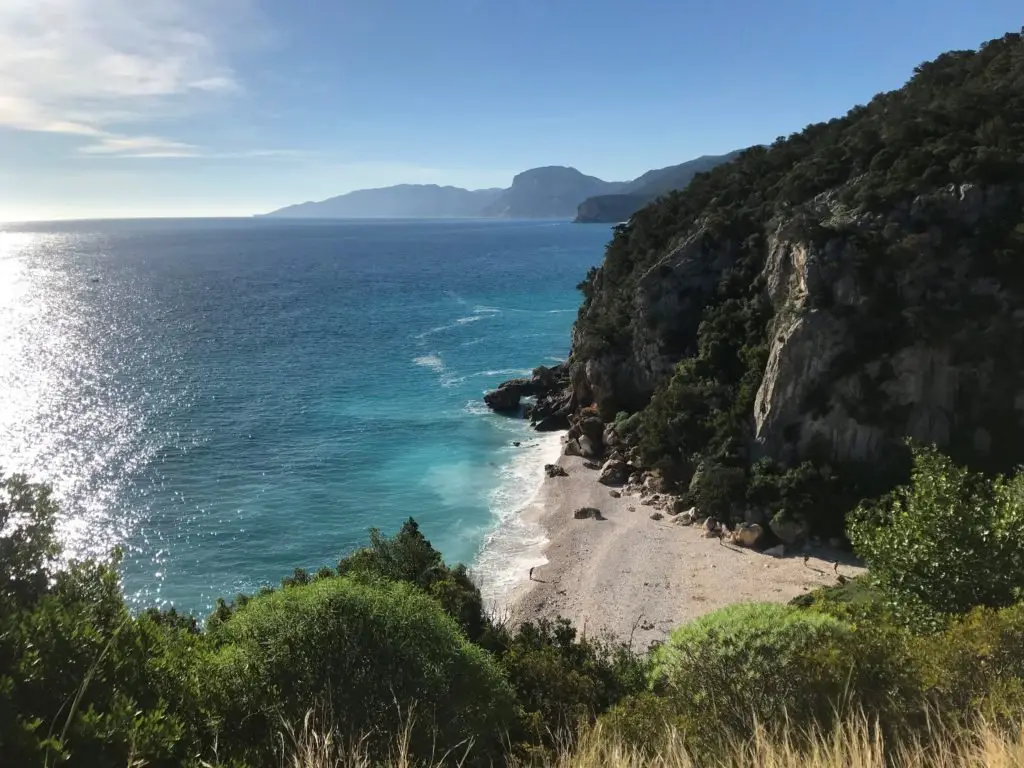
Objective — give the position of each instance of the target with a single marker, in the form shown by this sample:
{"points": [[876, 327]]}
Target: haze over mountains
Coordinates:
{"points": [[552, 192]]}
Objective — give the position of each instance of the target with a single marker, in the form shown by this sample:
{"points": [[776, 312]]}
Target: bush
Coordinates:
{"points": [[641, 721], [408, 556], [371, 654], [976, 665], [562, 680], [81, 680], [949, 541], [755, 662]]}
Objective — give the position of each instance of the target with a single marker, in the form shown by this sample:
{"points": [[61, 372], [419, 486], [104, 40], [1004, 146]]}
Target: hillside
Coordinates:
{"points": [[645, 189], [776, 330], [551, 192], [402, 201]]}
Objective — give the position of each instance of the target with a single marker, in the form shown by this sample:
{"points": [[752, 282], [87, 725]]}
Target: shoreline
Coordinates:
{"points": [[637, 579], [515, 541]]}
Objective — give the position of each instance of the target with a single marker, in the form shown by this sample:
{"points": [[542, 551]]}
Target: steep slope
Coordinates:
{"points": [[645, 189], [551, 192], [783, 324], [402, 201]]}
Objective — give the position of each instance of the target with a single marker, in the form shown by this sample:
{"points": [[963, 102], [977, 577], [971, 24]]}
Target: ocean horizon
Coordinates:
{"points": [[225, 400]]}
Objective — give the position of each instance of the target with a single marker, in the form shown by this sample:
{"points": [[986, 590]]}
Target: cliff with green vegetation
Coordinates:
{"points": [[768, 337]]}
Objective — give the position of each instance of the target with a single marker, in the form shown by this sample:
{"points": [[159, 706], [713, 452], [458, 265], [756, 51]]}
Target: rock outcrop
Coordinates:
{"points": [[776, 331], [550, 387]]}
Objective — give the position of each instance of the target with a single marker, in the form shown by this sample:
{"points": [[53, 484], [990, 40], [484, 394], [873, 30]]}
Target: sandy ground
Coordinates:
{"points": [[637, 578]]}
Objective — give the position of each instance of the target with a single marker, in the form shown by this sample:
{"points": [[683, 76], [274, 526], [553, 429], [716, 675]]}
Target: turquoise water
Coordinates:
{"points": [[229, 399]]}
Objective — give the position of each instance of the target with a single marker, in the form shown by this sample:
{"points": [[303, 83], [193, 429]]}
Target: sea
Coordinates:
{"points": [[223, 401]]}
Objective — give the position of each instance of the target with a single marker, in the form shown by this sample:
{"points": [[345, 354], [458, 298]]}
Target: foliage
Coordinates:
{"points": [[373, 654], [562, 680], [760, 663], [27, 544], [408, 556], [81, 680], [976, 664], [952, 132], [949, 541]]}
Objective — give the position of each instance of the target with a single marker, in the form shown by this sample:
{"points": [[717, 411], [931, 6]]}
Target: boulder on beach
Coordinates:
{"points": [[589, 449], [614, 472], [588, 513], [748, 535], [553, 470]]}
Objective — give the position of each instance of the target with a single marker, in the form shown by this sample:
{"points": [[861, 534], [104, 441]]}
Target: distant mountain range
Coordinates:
{"points": [[553, 192], [646, 189]]}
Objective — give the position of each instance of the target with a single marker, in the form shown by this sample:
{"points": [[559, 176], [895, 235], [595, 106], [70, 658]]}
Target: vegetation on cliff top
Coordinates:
{"points": [[959, 121]]}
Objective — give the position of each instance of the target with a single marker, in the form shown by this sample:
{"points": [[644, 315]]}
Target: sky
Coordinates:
{"points": [[123, 108]]}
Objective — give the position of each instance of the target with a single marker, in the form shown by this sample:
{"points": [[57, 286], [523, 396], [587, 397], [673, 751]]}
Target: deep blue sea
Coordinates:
{"points": [[227, 400]]}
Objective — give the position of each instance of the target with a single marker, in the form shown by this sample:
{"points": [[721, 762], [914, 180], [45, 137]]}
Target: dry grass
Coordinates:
{"points": [[852, 745]]}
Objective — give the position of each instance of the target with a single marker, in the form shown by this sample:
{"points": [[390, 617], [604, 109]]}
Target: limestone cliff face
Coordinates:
{"points": [[933, 380], [882, 327]]}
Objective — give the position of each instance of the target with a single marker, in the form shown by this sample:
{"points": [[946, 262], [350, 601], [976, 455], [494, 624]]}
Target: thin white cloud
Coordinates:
{"points": [[140, 146], [90, 68]]}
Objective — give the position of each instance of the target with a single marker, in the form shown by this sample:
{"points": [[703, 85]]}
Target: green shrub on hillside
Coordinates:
{"points": [[756, 662], [949, 541], [562, 680], [408, 556], [81, 680], [976, 665], [371, 655]]}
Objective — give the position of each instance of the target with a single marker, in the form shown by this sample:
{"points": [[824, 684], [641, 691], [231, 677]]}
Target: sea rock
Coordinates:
{"points": [[615, 494], [789, 530], [591, 465], [748, 535], [505, 398], [588, 513], [712, 529], [572, 448], [657, 516], [684, 519], [614, 472], [553, 470]]}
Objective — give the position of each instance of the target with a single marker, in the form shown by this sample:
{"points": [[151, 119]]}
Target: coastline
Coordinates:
{"points": [[635, 578], [515, 540]]}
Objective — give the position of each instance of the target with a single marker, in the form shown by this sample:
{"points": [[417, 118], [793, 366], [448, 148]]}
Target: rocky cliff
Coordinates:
{"points": [[770, 337]]}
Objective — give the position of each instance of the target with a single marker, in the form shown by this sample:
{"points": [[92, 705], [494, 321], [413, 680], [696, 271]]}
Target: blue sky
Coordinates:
{"points": [[231, 107]]}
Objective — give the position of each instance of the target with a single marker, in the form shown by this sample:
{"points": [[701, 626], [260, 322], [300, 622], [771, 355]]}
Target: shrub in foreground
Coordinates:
{"points": [[371, 654], [752, 663]]}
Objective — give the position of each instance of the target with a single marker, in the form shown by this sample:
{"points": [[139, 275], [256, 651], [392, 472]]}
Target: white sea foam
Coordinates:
{"points": [[514, 544], [470, 319], [433, 362], [476, 407], [505, 372]]}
